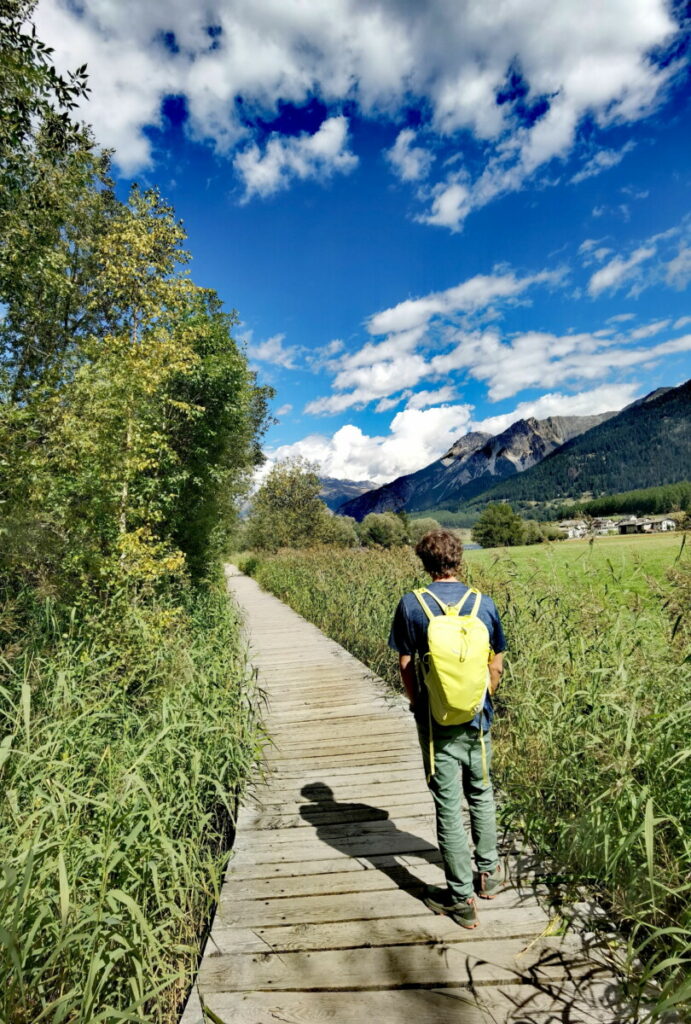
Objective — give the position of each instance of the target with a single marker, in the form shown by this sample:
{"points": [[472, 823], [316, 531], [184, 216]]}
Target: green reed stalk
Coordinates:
{"points": [[122, 755]]}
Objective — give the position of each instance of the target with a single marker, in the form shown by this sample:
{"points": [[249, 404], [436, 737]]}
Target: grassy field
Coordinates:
{"points": [[591, 738], [630, 559]]}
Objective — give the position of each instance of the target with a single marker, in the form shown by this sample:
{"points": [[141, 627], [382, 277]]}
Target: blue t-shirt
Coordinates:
{"points": [[409, 634]]}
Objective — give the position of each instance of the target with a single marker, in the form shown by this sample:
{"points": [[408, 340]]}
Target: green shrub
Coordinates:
{"points": [[498, 526], [417, 528], [340, 530], [383, 529]]}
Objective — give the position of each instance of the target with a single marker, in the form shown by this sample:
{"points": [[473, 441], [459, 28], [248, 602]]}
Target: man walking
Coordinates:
{"points": [[456, 757]]}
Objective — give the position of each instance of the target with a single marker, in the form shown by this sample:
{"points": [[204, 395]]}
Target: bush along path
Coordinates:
{"points": [[320, 916]]}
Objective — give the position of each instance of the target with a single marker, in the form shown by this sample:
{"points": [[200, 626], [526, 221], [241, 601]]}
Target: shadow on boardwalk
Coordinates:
{"points": [[366, 832], [336, 824]]}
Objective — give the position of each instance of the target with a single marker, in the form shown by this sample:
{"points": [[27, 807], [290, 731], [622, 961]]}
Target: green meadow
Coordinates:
{"points": [[631, 561], [594, 712]]}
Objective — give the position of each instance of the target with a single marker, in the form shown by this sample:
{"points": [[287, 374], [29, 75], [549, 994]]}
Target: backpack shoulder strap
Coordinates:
{"points": [[456, 609], [428, 611]]}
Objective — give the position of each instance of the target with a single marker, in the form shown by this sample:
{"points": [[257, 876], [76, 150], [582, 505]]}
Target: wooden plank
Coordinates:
{"points": [[393, 794], [350, 811], [512, 922], [333, 882], [359, 846], [335, 748], [338, 762], [514, 1004], [329, 908], [243, 866], [383, 724], [317, 675], [382, 967], [306, 715], [374, 739], [345, 1008], [340, 834], [349, 775]]}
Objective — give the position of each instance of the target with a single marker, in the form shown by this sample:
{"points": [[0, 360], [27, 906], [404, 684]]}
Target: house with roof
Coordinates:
{"points": [[602, 527], [650, 524], [574, 528], [661, 524]]}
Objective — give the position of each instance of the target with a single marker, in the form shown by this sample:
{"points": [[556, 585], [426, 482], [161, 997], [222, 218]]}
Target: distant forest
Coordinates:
{"points": [[644, 501], [648, 501]]}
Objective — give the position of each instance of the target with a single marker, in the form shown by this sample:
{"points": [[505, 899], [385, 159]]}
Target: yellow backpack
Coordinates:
{"points": [[455, 668]]}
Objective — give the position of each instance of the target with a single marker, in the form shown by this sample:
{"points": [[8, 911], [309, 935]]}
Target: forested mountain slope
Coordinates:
{"points": [[645, 445]]}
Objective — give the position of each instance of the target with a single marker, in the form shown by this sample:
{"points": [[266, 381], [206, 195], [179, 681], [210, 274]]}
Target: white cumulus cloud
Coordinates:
{"points": [[410, 162], [476, 293], [619, 270], [607, 398], [416, 437], [274, 351], [678, 272], [303, 156], [453, 60], [602, 161]]}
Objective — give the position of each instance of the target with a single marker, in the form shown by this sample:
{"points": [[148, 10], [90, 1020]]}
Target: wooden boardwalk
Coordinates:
{"points": [[321, 918]]}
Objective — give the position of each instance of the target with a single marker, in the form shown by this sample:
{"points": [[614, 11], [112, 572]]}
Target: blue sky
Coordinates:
{"points": [[431, 217]]}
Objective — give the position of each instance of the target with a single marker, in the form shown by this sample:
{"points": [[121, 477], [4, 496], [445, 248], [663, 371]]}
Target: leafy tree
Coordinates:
{"points": [[384, 529], [417, 528], [341, 531], [287, 510], [134, 440], [41, 148], [532, 534], [35, 101], [498, 526], [217, 447]]}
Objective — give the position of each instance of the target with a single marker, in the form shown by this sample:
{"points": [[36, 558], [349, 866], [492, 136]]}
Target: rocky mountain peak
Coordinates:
{"points": [[465, 445]]}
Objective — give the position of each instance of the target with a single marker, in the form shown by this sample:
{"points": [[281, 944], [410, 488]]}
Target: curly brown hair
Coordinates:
{"points": [[440, 551]]}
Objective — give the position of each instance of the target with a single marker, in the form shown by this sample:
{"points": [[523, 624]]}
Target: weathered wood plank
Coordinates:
{"points": [[336, 747], [241, 866], [422, 827], [342, 775], [515, 1004], [356, 904], [504, 922], [331, 882], [460, 964], [359, 846], [347, 811]]}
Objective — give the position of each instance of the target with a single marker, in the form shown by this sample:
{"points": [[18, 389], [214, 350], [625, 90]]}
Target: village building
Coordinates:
{"points": [[603, 527], [574, 528], [663, 523], [651, 524]]}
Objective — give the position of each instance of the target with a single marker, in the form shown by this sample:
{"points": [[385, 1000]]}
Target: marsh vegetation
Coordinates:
{"points": [[592, 755]]}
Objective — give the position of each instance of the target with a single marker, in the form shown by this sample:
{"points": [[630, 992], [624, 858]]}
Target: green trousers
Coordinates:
{"points": [[458, 772]]}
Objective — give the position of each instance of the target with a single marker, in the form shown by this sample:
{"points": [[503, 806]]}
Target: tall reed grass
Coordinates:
{"points": [[122, 752], [592, 735]]}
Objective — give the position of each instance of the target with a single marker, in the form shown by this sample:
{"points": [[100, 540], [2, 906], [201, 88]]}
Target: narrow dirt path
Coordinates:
{"points": [[320, 916]]}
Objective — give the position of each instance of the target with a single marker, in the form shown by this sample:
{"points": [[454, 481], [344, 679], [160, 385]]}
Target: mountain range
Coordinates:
{"points": [[335, 492], [473, 464], [646, 444]]}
